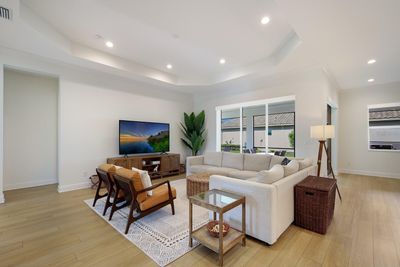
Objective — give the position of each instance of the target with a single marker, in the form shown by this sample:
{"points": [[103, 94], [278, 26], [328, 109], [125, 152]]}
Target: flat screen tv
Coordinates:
{"points": [[138, 137]]}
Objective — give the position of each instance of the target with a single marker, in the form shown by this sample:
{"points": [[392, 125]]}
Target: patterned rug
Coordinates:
{"points": [[161, 236]]}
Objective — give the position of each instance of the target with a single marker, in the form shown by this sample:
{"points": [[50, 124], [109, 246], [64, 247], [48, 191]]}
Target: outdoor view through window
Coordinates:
{"points": [[277, 138], [384, 127]]}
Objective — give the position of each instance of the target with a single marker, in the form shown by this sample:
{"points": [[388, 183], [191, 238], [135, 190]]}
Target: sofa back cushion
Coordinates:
{"points": [[304, 163], [276, 160], [213, 158], [256, 162], [270, 176], [232, 160], [291, 168]]}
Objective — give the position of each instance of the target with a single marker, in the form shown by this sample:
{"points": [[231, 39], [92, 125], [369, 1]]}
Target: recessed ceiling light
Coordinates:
{"points": [[222, 61], [371, 80], [265, 20], [109, 44], [371, 61], [169, 66]]}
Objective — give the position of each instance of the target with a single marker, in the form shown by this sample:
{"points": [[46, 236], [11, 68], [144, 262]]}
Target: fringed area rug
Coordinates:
{"points": [[161, 236]]}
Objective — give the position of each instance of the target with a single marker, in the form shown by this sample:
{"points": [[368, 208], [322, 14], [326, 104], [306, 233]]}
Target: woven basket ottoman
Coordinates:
{"points": [[197, 183], [314, 203]]}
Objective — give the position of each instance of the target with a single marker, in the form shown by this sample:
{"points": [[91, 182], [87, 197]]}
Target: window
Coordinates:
{"points": [[230, 130], [281, 131], [384, 127], [245, 128]]}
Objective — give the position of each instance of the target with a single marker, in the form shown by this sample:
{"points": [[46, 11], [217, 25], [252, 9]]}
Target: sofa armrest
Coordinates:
{"points": [[261, 206], [285, 196], [193, 160]]}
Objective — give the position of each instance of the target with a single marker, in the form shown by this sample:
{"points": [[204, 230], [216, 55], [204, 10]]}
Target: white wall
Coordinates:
{"points": [[89, 125], [90, 104], [312, 94], [30, 129], [1, 130], [354, 156]]}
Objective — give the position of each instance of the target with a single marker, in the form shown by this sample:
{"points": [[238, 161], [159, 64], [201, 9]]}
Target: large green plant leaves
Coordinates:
{"points": [[193, 131]]}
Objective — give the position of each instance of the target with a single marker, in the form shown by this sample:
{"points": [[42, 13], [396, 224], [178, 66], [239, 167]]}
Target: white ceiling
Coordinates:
{"points": [[345, 34], [337, 35], [191, 35]]}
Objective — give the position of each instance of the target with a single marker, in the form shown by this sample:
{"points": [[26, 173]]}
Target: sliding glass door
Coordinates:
{"points": [[245, 128], [254, 129], [281, 128], [230, 130]]}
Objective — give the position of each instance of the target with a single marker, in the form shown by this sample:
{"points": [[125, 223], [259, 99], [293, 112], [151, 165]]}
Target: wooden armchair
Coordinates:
{"points": [[104, 172], [136, 196]]}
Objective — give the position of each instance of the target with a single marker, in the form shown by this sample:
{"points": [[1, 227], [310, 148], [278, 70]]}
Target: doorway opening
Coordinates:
{"points": [[30, 129]]}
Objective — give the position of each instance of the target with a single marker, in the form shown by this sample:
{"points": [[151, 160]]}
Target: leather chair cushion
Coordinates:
{"points": [[137, 181], [160, 195]]}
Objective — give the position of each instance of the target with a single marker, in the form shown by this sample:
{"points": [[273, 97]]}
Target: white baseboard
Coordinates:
{"points": [[2, 200], [29, 184], [71, 187], [371, 173]]}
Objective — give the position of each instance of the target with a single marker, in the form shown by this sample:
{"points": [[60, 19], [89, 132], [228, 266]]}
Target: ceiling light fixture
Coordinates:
{"points": [[222, 61], [371, 61], [109, 44], [265, 20], [371, 80], [169, 66]]}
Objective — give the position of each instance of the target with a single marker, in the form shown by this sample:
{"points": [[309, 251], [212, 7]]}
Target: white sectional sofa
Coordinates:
{"points": [[269, 206], [242, 166]]}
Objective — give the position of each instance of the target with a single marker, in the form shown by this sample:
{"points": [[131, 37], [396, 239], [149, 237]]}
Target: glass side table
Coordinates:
{"points": [[218, 201]]}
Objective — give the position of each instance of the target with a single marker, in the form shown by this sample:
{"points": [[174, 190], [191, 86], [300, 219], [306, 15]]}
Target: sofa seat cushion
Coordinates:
{"points": [[270, 176], [160, 195], [213, 158], [291, 168], [256, 162], [244, 175], [200, 168], [232, 160], [136, 180], [221, 170]]}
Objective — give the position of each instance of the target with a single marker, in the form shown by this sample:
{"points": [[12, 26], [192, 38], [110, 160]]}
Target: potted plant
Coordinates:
{"points": [[193, 131]]}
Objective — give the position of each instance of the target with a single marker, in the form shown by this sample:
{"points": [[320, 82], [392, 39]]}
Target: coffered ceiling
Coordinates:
{"points": [[190, 35], [193, 36]]}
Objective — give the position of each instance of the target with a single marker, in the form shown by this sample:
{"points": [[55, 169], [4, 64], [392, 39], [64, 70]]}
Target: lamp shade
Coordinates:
{"points": [[323, 132]]}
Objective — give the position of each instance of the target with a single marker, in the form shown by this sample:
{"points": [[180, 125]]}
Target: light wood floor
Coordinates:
{"points": [[39, 227]]}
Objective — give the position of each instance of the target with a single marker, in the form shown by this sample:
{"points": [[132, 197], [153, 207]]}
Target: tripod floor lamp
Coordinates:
{"points": [[322, 133]]}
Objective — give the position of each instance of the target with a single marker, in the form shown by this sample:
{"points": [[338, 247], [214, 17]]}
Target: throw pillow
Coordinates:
{"points": [[146, 180], [292, 167], [285, 161], [271, 176], [304, 163]]}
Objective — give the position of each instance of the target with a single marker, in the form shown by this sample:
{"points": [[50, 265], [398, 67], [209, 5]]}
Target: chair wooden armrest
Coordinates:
{"points": [[155, 186]]}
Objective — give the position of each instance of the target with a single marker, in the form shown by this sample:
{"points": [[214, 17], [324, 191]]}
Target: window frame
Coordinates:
{"points": [[374, 106], [242, 105]]}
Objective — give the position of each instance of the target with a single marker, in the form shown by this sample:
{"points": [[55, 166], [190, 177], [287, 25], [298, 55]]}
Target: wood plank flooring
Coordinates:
{"points": [[40, 227]]}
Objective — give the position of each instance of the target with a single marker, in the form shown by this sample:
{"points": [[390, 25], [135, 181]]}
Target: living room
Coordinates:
{"points": [[71, 79]]}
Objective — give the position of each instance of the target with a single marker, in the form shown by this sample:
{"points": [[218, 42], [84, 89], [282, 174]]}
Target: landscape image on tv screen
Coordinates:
{"points": [[143, 137]]}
